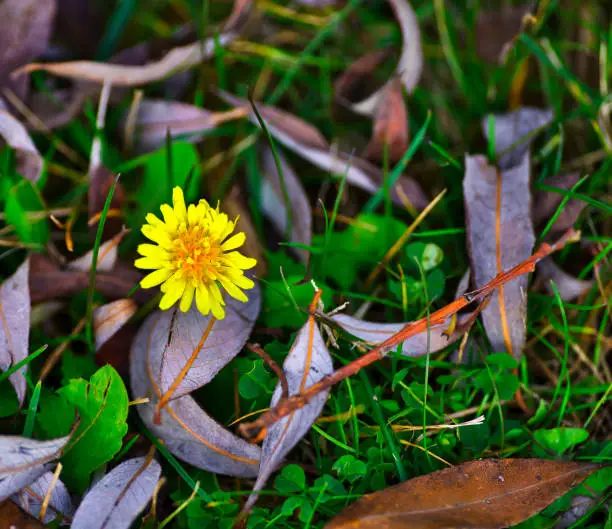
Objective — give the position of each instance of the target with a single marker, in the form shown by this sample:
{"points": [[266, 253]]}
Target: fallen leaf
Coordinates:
{"points": [[177, 60], [546, 204], [410, 65], [307, 363], [15, 330], [514, 133], [12, 516], [102, 406], [185, 429], [500, 235], [496, 29], [498, 218], [483, 494], [109, 318], [191, 334], [24, 35], [390, 132], [277, 208], [107, 257], [24, 460], [28, 161], [307, 142], [569, 287], [30, 499], [118, 498], [437, 338], [47, 281]]}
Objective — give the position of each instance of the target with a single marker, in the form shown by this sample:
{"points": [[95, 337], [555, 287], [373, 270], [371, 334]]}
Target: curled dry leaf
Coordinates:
{"points": [[435, 339], [25, 27], [306, 364], [177, 60], [569, 287], [309, 143], [295, 211], [410, 63], [107, 256], [47, 281], [31, 498], [514, 133], [109, 318], [29, 162], [547, 202], [390, 125], [483, 494], [15, 328], [495, 30], [158, 118], [118, 498], [186, 430], [24, 460], [191, 334]]}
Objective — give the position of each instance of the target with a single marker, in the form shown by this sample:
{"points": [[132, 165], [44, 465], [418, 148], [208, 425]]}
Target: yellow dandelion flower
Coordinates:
{"points": [[193, 256]]}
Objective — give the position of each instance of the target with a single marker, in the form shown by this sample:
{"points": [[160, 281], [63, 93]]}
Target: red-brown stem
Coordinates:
{"points": [[258, 350], [257, 428]]}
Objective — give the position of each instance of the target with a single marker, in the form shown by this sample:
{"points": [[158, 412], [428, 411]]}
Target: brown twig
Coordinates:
{"points": [[257, 428], [258, 350]]}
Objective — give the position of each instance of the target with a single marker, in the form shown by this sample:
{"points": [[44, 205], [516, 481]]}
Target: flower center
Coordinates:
{"points": [[196, 254]]}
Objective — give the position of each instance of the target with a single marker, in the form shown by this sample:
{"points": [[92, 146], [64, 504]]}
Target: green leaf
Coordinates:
{"points": [[102, 406], [350, 469], [55, 415], [76, 366], [291, 479], [22, 198], [9, 405], [502, 360], [559, 440]]}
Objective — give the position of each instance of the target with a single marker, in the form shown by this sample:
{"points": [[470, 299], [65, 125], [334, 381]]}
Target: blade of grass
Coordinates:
{"points": [[14, 368]]}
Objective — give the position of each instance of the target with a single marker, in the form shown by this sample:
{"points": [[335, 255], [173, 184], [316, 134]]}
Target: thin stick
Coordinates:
{"points": [[257, 428], [258, 350]]}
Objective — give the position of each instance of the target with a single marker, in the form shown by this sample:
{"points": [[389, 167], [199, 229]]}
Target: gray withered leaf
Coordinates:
{"points": [[118, 498], [30, 499], [177, 60], [306, 141], [569, 287], [307, 363], [28, 161], [24, 460], [513, 130], [545, 204], [437, 338], [276, 208], [186, 430], [15, 328], [215, 349], [500, 235], [109, 318], [410, 64]]}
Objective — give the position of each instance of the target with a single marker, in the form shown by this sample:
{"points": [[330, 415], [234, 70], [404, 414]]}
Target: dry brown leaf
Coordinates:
{"points": [[11, 515], [277, 209], [309, 143], [390, 125], [177, 60], [484, 494], [410, 63], [29, 162], [495, 30], [546, 204], [109, 318]]}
